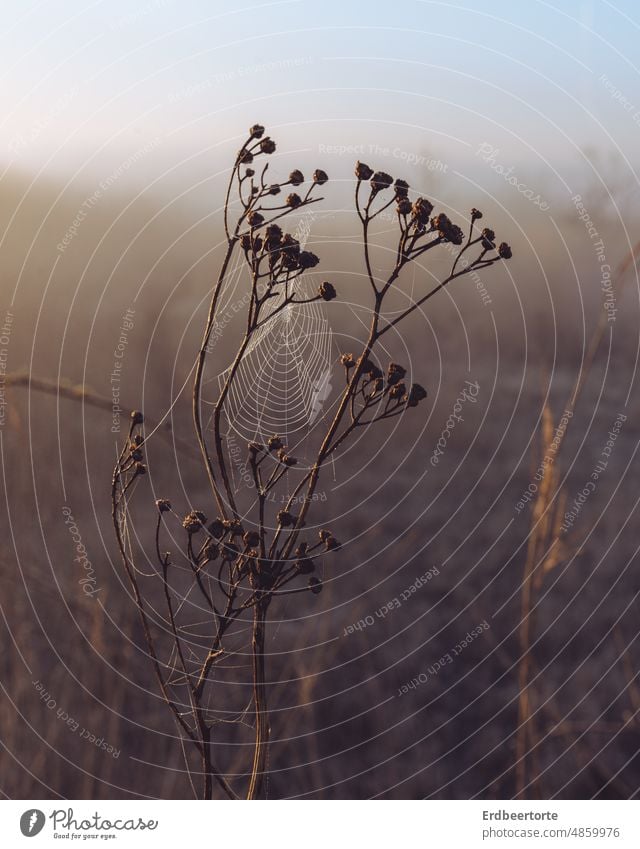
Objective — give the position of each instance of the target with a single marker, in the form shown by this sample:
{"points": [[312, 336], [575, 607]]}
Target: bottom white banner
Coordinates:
{"points": [[311, 824]]}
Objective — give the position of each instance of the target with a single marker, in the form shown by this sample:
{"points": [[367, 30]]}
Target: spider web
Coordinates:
{"points": [[284, 377]]}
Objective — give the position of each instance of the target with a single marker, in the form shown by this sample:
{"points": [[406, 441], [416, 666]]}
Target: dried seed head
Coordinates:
{"points": [[230, 551], [216, 528], [401, 188], [404, 206], [256, 219], [194, 521], [296, 178], [140, 469], [395, 373], [315, 585], [293, 200], [446, 230], [285, 519], [136, 453], [371, 369], [275, 443], [163, 505], [475, 214], [272, 235], [234, 527], [363, 172], [440, 221], [257, 131], [305, 566], [307, 259], [301, 550], [327, 291], [136, 417], [320, 177], [290, 246], [330, 542], [246, 157], [380, 181], [267, 145], [416, 394], [504, 250], [251, 539], [274, 189], [422, 209], [347, 361], [398, 391], [249, 172], [285, 459], [488, 239], [138, 439], [211, 550]]}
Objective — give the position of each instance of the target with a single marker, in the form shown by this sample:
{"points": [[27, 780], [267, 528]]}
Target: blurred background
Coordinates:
{"points": [[119, 126]]}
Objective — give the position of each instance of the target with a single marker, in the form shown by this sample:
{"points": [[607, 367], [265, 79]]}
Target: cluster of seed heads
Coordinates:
{"points": [[275, 256], [415, 216], [374, 384], [228, 541]]}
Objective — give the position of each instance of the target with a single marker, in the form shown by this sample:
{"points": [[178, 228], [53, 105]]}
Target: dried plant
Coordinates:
{"points": [[547, 549], [245, 558]]}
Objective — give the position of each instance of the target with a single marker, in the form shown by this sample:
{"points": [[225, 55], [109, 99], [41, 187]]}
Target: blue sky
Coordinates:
{"points": [[87, 85]]}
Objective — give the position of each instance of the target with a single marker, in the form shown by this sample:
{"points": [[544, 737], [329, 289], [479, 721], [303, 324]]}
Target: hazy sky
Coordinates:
{"points": [[89, 85]]}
